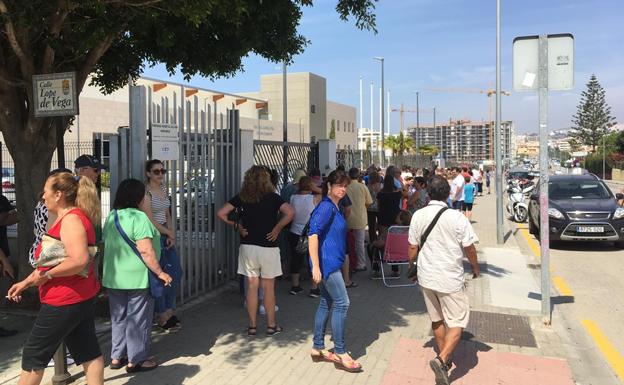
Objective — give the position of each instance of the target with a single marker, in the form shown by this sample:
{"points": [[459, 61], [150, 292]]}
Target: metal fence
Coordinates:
{"points": [[206, 175], [299, 156], [363, 159]]}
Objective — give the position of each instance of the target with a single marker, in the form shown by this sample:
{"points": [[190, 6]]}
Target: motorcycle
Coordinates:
{"points": [[517, 202]]}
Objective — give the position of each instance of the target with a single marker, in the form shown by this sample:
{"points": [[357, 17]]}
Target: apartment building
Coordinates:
{"points": [[466, 141]]}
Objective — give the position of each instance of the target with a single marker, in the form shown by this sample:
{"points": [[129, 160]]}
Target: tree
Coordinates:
{"points": [[429, 150], [332, 130], [112, 41], [593, 117], [399, 144]]}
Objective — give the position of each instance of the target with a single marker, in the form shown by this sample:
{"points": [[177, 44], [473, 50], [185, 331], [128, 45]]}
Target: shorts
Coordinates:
{"points": [[466, 206], [452, 308], [74, 324], [258, 261], [457, 205]]}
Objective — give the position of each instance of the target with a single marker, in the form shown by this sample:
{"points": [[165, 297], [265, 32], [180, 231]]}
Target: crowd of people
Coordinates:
{"points": [[330, 228]]}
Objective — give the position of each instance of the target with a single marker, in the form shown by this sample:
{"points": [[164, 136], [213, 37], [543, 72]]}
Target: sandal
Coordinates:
{"points": [[252, 331], [351, 284], [273, 330], [120, 363], [140, 367], [349, 365], [324, 356]]}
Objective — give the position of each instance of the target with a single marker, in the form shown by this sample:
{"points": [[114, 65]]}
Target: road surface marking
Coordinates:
{"points": [[613, 357], [533, 245], [562, 287]]}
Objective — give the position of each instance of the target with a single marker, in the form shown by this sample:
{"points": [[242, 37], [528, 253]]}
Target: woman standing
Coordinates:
{"points": [[374, 186], [126, 277], [327, 247], [158, 209], [259, 226], [67, 285], [303, 202], [389, 203]]}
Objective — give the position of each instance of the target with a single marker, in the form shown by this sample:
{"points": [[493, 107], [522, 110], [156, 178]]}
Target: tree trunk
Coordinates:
{"points": [[31, 142]]}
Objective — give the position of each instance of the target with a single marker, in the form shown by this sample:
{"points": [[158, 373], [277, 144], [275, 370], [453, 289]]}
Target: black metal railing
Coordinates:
{"points": [[299, 156]]}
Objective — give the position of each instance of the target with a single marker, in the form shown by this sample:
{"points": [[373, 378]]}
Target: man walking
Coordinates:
{"points": [[438, 256], [457, 188], [358, 219]]}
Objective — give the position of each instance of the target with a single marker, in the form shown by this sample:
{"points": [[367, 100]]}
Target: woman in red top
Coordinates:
{"points": [[67, 290]]}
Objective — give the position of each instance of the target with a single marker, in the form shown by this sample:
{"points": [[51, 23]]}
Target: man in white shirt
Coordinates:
{"points": [[441, 271], [457, 188]]}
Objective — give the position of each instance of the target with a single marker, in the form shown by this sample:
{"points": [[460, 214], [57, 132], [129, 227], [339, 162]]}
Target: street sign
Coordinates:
{"points": [[165, 141], [560, 62], [55, 94]]}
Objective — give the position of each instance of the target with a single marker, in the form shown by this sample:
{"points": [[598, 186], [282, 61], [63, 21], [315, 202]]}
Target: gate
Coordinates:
{"points": [[204, 177], [299, 156]]}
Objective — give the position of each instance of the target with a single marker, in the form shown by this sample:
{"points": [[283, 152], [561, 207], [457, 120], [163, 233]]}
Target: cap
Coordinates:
{"points": [[89, 161]]}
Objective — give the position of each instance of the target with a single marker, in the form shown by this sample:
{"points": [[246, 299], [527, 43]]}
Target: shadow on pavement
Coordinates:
{"points": [[487, 269]]}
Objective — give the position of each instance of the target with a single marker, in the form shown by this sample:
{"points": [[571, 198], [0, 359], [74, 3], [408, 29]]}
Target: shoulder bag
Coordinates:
{"points": [[156, 286], [303, 243], [413, 269]]}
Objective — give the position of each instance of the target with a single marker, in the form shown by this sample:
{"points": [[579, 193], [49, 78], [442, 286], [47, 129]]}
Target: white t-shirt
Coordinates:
{"points": [[303, 206], [457, 185], [440, 266]]}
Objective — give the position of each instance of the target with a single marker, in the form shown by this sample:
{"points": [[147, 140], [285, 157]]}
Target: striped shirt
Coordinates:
{"points": [[159, 206]]}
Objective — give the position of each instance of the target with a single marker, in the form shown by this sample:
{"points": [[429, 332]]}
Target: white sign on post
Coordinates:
{"points": [[560, 62], [165, 141], [55, 94]]}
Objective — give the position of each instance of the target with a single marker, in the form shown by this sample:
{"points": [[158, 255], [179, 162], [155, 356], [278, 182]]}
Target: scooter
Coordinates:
{"points": [[517, 204]]}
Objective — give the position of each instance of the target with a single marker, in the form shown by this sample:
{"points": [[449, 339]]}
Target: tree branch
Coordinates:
{"points": [[58, 18], [27, 65], [92, 58]]}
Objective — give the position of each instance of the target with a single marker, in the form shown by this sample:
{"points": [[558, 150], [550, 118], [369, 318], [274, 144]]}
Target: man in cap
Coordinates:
{"points": [[89, 166]]}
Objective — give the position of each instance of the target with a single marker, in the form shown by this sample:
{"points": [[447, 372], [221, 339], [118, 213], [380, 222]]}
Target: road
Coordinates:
{"points": [[588, 290]]}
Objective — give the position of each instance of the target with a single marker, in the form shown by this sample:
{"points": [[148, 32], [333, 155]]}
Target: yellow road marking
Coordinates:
{"points": [[613, 357], [533, 245], [562, 287]]}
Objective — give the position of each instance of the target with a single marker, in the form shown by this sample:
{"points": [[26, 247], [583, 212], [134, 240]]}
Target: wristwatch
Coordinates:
{"points": [[48, 275]]}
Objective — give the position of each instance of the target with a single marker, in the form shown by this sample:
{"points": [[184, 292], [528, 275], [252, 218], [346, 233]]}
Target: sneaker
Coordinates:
{"points": [[314, 293], [440, 371], [262, 310], [176, 320], [295, 290], [68, 359], [170, 325]]}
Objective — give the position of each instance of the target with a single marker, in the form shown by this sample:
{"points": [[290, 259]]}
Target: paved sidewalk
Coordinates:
{"points": [[388, 331]]}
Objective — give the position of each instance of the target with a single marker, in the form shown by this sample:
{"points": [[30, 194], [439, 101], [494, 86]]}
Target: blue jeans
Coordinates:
{"points": [[334, 296], [168, 256]]}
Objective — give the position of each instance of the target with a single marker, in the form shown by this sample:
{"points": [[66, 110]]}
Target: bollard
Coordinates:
{"points": [[61, 376]]}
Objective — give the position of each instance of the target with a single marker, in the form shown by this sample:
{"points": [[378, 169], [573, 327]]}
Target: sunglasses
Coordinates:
{"points": [[159, 171]]}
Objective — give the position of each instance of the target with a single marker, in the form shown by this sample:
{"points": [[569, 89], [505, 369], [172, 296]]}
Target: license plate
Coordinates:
{"points": [[590, 229]]}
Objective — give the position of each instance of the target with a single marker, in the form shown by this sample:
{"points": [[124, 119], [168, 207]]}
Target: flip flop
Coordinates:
{"points": [[140, 368], [120, 364], [351, 284]]}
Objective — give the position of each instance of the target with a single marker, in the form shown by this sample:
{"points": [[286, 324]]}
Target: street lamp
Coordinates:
{"points": [[381, 60], [417, 121]]}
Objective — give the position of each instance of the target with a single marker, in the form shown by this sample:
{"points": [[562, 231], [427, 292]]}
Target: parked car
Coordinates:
{"points": [[199, 190], [8, 179], [580, 208]]}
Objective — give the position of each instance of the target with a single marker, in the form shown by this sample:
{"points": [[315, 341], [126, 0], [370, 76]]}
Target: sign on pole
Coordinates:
{"points": [[165, 141], [55, 94], [544, 63]]}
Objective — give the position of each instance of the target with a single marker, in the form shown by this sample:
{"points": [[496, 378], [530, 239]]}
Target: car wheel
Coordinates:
{"points": [[619, 244], [521, 214], [532, 228]]}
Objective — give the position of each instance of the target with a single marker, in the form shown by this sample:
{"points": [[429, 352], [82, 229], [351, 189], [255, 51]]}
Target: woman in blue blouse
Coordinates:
{"points": [[328, 247]]}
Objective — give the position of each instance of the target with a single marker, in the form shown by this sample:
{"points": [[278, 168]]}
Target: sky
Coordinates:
{"points": [[442, 44]]}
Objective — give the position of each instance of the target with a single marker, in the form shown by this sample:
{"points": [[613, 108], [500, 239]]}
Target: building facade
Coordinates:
{"points": [[466, 141], [341, 125]]}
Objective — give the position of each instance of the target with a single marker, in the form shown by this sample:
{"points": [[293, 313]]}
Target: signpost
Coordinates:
{"points": [[55, 94], [165, 141], [544, 63]]}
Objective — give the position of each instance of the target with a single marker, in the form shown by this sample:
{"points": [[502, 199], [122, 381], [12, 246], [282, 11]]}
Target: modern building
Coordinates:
{"points": [[369, 139], [466, 141], [341, 125]]}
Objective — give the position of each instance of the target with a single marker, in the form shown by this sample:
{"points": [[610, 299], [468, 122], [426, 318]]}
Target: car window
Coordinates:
{"points": [[576, 190]]}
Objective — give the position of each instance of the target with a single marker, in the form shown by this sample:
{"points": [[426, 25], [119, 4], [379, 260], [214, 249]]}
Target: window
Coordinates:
{"points": [[313, 109]]}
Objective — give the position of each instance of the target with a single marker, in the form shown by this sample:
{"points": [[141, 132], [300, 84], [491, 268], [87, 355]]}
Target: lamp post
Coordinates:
{"points": [[417, 121], [285, 123], [360, 137], [500, 237], [381, 60]]}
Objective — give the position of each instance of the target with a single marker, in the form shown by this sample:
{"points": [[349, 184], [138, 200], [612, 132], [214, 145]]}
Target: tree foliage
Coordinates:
{"points": [[113, 41], [429, 150], [593, 117], [399, 144]]}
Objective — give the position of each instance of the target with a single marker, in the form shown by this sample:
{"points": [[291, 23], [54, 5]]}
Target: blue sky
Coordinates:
{"points": [[449, 44]]}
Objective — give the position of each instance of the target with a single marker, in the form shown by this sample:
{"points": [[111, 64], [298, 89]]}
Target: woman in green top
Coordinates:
{"points": [[125, 277]]}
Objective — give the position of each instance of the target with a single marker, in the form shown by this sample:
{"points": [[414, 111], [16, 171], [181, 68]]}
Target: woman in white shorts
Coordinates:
{"points": [[259, 224]]}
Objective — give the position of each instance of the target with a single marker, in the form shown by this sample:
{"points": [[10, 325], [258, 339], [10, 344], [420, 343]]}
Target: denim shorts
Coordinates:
{"points": [[74, 324]]}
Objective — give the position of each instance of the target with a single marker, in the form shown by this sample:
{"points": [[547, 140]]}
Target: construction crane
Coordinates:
{"points": [[488, 93], [402, 112]]}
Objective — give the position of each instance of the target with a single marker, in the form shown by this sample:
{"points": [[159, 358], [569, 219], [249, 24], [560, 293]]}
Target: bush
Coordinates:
{"points": [[593, 164]]}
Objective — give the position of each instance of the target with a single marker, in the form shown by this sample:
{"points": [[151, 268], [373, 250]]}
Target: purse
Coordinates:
{"points": [[53, 253], [156, 286], [303, 242], [413, 269]]}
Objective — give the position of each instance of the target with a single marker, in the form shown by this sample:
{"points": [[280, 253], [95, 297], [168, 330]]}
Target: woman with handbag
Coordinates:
{"points": [[131, 256], [328, 247], [157, 206], [67, 283]]}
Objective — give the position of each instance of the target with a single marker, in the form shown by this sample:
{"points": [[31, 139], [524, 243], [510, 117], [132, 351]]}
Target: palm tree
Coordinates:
{"points": [[399, 144], [429, 150]]}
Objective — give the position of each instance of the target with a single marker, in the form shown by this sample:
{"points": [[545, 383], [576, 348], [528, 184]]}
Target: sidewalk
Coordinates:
{"points": [[388, 331]]}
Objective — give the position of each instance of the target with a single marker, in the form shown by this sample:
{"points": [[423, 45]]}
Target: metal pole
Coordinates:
{"points": [[500, 237], [360, 136], [285, 119], [61, 376], [381, 106], [543, 162], [417, 122], [442, 162], [382, 113], [388, 109], [604, 152]]}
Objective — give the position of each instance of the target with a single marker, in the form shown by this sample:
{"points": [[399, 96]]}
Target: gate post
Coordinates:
{"points": [[327, 155], [138, 131]]}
